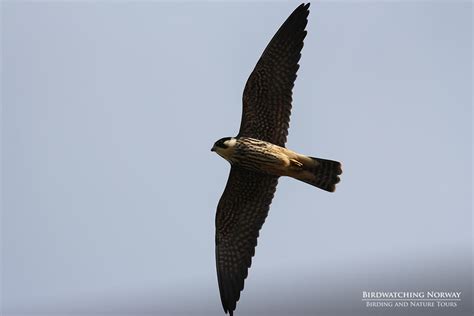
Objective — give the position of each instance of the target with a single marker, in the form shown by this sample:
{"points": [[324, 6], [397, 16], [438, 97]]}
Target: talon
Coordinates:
{"points": [[296, 163]]}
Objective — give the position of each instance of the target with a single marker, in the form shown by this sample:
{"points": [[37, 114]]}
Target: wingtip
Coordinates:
{"points": [[303, 9], [304, 6]]}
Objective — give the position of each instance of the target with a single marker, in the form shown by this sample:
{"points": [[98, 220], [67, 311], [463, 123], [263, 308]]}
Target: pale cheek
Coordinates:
{"points": [[231, 143]]}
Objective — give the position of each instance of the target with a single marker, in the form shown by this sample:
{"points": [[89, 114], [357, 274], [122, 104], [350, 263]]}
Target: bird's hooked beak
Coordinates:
{"points": [[213, 148]]}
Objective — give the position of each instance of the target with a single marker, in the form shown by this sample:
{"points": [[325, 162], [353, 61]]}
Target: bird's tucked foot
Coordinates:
{"points": [[296, 163]]}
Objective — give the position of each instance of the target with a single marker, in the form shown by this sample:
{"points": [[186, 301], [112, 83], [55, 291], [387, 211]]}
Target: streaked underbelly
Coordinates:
{"points": [[261, 156]]}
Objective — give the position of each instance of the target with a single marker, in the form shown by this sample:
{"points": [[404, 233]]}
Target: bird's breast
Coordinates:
{"points": [[261, 156]]}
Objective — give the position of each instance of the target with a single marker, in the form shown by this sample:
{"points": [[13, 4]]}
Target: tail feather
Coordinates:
{"points": [[325, 174]]}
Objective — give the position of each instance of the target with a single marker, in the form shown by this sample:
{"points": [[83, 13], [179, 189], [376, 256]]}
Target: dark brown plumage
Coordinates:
{"points": [[245, 202], [268, 92], [241, 213], [326, 174]]}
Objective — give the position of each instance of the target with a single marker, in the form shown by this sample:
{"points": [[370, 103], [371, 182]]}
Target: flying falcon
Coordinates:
{"points": [[258, 157]]}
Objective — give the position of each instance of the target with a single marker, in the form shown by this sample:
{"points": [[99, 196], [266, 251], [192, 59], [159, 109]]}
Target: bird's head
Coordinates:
{"points": [[225, 147]]}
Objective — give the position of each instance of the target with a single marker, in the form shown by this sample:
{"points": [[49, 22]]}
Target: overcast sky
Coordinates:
{"points": [[109, 111]]}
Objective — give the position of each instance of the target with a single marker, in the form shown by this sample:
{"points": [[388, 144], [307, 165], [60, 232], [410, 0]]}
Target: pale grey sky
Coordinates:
{"points": [[109, 188]]}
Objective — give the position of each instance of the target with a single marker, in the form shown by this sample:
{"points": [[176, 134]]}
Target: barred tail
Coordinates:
{"points": [[324, 174]]}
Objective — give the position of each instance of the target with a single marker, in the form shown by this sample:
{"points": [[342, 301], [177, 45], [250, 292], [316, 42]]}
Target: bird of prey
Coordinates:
{"points": [[258, 157]]}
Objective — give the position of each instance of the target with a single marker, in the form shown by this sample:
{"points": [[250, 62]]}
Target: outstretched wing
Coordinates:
{"points": [[241, 213], [268, 93]]}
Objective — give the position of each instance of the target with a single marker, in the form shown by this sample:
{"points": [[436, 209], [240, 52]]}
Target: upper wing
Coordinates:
{"points": [[267, 95], [241, 213]]}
